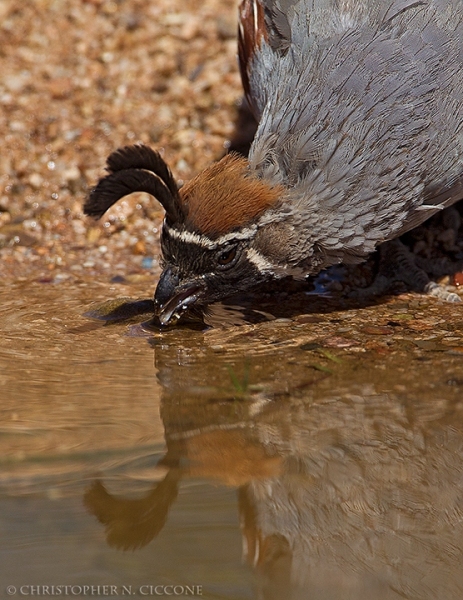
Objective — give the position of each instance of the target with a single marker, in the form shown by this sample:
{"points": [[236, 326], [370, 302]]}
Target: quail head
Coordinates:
{"points": [[360, 138]]}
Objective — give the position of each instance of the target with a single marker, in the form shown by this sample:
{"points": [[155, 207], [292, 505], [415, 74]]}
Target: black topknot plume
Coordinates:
{"points": [[135, 169]]}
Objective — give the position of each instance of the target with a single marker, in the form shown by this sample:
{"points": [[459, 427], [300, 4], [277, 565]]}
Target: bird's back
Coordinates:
{"points": [[360, 114]]}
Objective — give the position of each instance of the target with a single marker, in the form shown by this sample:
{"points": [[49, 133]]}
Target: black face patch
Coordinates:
{"points": [[223, 269], [189, 258]]}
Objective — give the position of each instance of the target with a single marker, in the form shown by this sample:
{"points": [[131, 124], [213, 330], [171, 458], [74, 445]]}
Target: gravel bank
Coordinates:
{"points": [[82, 77]]}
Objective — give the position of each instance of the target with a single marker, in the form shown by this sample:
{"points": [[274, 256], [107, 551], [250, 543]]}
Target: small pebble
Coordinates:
{"points": [[339, 342], [377, 330], [147, 262]]}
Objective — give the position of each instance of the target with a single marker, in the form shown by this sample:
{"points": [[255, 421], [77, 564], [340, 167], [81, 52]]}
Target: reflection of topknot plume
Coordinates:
{"points": [[130, 523]]}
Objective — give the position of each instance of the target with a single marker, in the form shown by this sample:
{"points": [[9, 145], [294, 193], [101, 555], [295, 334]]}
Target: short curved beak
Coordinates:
{"points": [[171, 298]]}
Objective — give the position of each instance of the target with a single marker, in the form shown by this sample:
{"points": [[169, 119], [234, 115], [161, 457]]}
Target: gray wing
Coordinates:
{"points": [[361, 114]]}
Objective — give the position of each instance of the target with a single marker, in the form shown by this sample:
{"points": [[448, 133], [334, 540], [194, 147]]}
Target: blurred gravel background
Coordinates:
{"points": [[80, 78]]}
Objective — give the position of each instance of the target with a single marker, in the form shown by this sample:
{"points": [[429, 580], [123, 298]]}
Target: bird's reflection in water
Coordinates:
{"points": [[355, 493]]}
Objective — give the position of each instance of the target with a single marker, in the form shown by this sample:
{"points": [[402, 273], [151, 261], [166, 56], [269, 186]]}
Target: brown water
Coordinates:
{"points": [[316, 455]]}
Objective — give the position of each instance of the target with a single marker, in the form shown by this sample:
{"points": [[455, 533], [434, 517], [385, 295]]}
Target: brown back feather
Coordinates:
{"points": [[225, 196]]}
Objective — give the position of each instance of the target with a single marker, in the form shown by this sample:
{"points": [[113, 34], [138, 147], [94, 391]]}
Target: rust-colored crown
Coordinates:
{"points": [[224, 197]]}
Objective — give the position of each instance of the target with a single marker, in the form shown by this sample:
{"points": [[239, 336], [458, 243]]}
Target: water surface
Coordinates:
{"points": [[314, 454]]}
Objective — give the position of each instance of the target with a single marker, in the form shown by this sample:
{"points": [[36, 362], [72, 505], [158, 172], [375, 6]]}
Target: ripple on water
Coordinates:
{"points": [[327, 441]]}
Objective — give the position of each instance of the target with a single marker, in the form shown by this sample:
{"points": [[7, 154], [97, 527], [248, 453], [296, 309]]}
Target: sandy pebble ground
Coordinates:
{"points": [[80, 78]]}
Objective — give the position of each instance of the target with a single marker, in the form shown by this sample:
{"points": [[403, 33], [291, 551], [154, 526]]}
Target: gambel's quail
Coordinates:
{"points": [[360, 138]]}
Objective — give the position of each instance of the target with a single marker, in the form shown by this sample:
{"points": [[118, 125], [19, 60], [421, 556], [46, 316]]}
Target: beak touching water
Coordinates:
{"points": [[201, 264], [172, 298]]}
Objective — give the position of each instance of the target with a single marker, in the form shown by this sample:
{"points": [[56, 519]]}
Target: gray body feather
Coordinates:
{"points": [[361, 118]]}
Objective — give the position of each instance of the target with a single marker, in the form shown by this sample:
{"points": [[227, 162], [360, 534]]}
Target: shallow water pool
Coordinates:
{"points": [[316, 454]]}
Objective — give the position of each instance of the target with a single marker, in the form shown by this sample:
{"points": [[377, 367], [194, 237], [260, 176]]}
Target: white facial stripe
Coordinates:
{"points": [[244, 234], [265, 266], [190, 237], [201, 240], [259, 261], [254, 257]]}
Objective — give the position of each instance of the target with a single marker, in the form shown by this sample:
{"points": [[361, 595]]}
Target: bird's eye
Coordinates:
{"points": [[225, 258]]}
